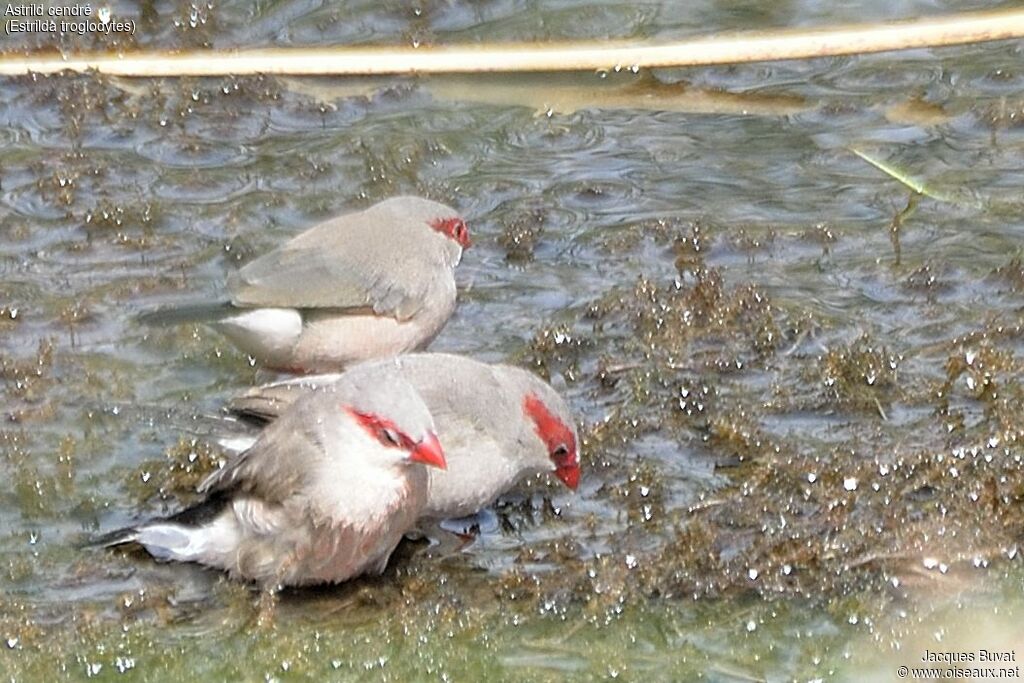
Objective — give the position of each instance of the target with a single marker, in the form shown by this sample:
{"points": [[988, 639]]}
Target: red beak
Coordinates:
{"points": [[429, 452], [569, 474]]}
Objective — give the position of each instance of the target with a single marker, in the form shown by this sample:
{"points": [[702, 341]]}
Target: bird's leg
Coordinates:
{"points": [[467, 529], [266, 605]]}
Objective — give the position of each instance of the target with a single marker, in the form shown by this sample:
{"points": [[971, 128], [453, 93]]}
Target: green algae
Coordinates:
{"points": [[521, 234], [177, 475]]}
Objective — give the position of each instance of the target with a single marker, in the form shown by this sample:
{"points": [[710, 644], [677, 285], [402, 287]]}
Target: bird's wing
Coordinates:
{"points": [[276, 466], [262, 404], [340, 266], [477, 468]]}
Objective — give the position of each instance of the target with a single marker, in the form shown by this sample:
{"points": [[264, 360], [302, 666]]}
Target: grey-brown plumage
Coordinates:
{"points": [[323, 495], [498, 424], [368, 284]]}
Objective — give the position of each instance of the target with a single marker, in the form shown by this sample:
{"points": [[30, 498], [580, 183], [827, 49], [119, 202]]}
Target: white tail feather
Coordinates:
{"points": [[169, 541], [238, 443], [269, 333]]}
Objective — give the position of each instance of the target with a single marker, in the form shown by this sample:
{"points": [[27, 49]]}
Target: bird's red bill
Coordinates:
{"points": [[429, 452], [569, 474]]}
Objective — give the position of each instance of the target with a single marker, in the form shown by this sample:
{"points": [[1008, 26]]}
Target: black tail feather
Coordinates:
{"points": [[110, 539], [203, 512], [253, 413], [196, 515], [190, 313]]}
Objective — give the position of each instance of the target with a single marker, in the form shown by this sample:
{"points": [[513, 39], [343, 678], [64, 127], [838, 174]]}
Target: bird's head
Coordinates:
{"points": [[554, 426], [394, 416], [414, 220]]}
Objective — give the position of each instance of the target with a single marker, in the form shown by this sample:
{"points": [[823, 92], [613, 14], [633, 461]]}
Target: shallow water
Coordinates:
{"points": [[801, 424]]}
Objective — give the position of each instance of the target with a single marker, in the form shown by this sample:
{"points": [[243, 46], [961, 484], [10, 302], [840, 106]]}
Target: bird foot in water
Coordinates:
{"points": [[469, 527], [266, 606]]}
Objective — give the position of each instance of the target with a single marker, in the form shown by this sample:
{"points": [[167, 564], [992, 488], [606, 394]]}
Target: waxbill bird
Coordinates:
{"points": [[324, 494], [369, 284], [498, 424]]}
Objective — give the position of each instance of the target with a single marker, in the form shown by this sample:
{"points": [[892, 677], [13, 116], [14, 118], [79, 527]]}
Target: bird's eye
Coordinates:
{"points": [[561, 451], [460, 231], [388, 436]]}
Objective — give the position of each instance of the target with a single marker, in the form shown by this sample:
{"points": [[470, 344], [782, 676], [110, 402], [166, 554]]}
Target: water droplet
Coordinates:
{"points": [[752, 574], [751, 626], [850, 483], [812, 477]]}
